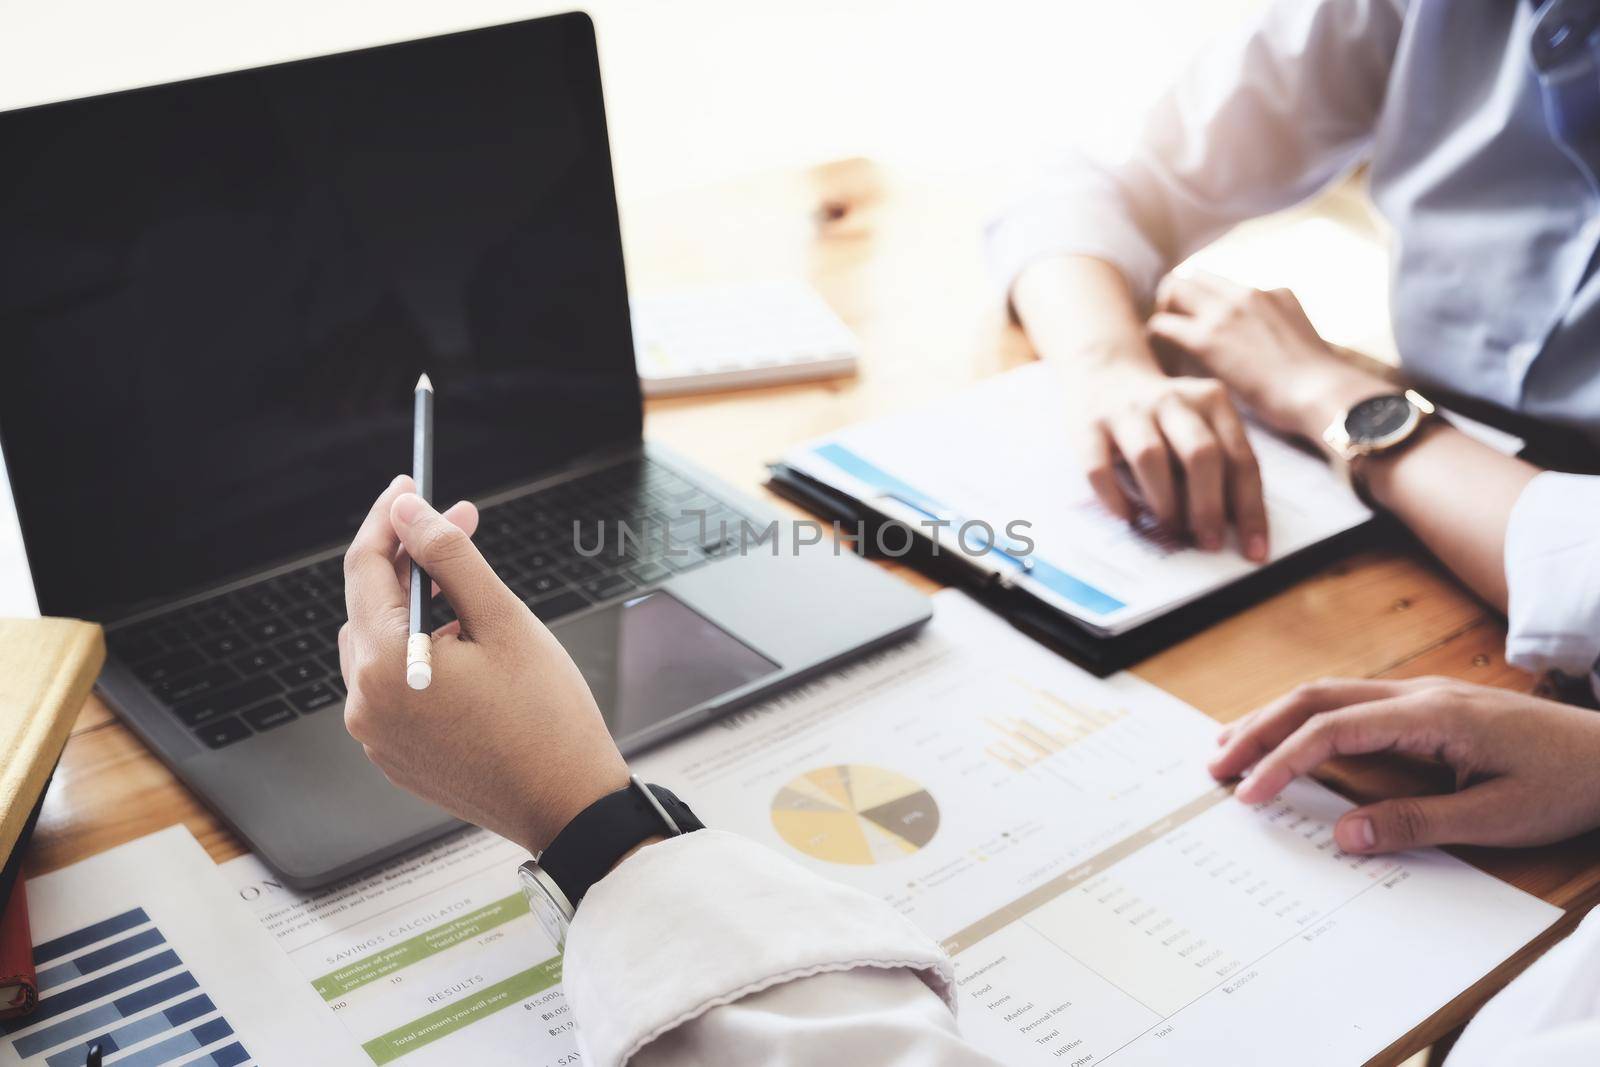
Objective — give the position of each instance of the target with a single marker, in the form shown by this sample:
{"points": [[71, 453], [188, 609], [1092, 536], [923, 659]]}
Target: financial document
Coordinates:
{"points": [[1103, 899], [997, 461], [432, 960], [140, 950]]}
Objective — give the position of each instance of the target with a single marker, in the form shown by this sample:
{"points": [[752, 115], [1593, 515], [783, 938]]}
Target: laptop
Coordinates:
{"points": [[215, 298]]}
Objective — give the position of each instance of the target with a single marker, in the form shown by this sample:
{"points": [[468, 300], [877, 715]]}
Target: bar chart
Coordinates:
{"points": [[1050, 725], [117, 983]]}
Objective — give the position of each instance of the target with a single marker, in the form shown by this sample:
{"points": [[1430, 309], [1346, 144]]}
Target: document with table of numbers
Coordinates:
{"points": [[1104, 900]]}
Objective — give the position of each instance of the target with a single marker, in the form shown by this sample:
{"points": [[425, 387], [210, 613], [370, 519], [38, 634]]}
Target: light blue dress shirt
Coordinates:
{"points": [[1480, 121]]}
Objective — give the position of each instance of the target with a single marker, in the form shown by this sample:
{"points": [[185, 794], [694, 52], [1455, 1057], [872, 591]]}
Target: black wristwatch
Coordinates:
{"points": [[557, 879]]}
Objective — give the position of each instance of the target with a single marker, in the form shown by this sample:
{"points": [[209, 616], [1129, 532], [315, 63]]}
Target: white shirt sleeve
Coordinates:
{"points": [[709, 948], [1553, 575], [1549, 1016], [1266, 117]]}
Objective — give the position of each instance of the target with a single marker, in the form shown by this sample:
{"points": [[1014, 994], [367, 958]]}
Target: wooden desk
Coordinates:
{"points": [[901, 262]]}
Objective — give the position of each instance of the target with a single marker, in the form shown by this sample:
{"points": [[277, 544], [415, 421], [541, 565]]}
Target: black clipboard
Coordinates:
{"points": [[1098, 653]]}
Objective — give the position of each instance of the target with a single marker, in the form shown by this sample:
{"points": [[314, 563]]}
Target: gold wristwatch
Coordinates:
{"points": [[1377, 424]]}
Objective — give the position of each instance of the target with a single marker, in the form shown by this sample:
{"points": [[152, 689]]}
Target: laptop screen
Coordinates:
{"points": [[216, 297]]}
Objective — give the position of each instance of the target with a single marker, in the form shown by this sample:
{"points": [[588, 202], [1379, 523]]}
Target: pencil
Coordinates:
{"points": [[419, 640]]}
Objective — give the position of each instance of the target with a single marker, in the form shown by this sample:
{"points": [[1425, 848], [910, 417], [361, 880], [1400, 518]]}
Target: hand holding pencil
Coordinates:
{"points": [[507, 734]]}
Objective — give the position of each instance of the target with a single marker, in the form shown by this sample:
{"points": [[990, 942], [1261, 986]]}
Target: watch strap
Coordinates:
{"points": [[599, 835]]}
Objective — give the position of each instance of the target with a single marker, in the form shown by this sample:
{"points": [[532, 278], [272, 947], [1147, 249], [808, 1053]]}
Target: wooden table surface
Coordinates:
{"points": [[900, 261]]}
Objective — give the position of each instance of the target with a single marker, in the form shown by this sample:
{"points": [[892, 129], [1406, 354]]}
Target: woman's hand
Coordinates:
{"points": [[1261, 345], [1185, 448], [1180, 440], [1527, 770], [507, 736]]}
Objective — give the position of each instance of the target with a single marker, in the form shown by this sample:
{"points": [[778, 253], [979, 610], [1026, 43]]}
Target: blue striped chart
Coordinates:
{"points": [[118, 984]]}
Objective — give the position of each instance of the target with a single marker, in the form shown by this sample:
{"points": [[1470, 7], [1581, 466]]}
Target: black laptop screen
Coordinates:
{"points": [[216, 296]]}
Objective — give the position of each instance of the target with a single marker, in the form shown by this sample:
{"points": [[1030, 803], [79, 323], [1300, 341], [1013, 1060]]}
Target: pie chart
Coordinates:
{"points": [[855, 813]]}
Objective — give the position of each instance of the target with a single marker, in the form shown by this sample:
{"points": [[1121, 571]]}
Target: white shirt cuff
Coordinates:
{"points": [[708, 918], [1553, 575], [1081, 214]]}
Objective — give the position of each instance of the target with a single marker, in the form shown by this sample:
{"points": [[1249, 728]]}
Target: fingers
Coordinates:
{"points": [[1194, 425], [1253, 737], [1183, 330], [1190, 309], [1198, 427], [1099, 463], [1481, 815], [373, 599], [1246, 497], [443, 549], [1197, 449], [1410, 722], [1419, 716], [1186, 294], [1140, 441], [464, 514]]}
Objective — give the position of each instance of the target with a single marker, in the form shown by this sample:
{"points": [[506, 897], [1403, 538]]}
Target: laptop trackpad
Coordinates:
{"points": [[648, 658]]}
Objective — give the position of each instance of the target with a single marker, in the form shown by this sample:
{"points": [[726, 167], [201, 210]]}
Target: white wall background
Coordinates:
{"points": [[698, 91]]}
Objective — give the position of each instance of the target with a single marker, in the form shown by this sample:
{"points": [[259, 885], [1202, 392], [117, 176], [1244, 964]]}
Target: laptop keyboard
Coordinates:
{"points": [[258, 658]]}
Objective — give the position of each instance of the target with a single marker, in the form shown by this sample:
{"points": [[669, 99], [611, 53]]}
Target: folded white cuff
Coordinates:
{"points": [[708, 918], [1080, 213], [1553, 575]]}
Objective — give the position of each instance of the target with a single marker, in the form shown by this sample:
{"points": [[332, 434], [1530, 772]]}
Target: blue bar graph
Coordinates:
{"points": [[96, 988], [90, 962], [104, 1015], [117, 983], [175, 1048], [72, 942], [131, 1034]]}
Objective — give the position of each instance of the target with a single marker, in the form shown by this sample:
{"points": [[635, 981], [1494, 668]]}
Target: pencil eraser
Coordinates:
{"points": [[418, 675]]}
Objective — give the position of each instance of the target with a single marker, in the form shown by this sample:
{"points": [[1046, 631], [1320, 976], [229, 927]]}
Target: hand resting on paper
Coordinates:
{"points": [[1179, 440], [1524, 766]]}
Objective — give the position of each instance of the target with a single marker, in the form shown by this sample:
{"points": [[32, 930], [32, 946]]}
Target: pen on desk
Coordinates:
{"points": [[419, 639]]}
